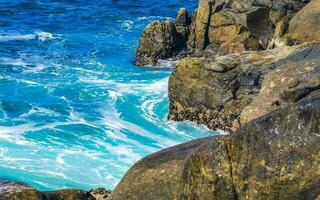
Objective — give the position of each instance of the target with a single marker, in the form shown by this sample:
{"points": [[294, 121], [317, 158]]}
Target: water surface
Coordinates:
{"points": [[74, 111]]}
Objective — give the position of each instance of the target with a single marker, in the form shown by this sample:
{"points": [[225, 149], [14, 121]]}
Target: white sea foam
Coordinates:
{"points": [[164, 64], [38, 35], [154, 18], [127, 24]]}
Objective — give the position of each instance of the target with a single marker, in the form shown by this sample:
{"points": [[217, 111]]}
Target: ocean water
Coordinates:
{"points": [[74, 110]]}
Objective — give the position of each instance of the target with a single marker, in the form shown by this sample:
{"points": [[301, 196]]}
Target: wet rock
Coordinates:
{"points": [[214, 91], [305, 25], [159, 40], [273, 157]]}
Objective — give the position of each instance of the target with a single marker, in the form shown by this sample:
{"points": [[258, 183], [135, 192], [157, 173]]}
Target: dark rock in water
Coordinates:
{"points": [[159, 40], [18, 191], [305, 25], [215, 91], [274, 157]]}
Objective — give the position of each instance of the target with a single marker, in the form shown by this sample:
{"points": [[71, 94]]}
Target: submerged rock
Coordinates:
{"points": [[273, 157], [215, 91], [159, 40]]}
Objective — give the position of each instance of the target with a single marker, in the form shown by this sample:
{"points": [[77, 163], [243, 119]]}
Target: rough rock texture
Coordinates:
{"points": [[225, 26], [274, 157], [18, 191], [215, 91], [159, 40], [182, 24], [101, 193], [283, 86], [305, 25]]}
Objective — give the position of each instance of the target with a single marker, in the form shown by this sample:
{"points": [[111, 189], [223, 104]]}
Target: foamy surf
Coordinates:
{"points": [[38, 35]]}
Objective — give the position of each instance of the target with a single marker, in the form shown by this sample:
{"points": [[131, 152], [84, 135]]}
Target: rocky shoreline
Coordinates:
{"points": [[248, 67], [251, 68], [19, 191]]}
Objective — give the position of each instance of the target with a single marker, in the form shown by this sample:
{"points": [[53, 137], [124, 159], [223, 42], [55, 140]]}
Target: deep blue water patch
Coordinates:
{"points": [[74, 111]]}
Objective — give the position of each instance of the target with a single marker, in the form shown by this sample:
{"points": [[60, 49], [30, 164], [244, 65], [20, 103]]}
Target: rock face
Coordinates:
{"points": [[224, 27], [305, 25], [284, 86], [274, 157], [159, 40], [19, 191], [215, 91]]}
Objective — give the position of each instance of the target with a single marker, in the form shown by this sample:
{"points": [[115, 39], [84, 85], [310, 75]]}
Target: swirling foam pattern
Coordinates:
{"points": [[74, 111]]}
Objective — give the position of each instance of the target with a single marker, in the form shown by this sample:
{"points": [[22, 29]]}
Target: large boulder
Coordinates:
{"points": [[160, 40], [274, 157], [214, 91], [305, 25]]}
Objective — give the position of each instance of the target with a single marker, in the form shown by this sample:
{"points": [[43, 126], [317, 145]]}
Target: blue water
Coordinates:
{"points": [[74, 110]]}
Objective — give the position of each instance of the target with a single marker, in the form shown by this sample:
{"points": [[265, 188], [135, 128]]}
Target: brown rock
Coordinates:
{"points": [[203, 85], [160, 40], [274, 157], [285, 85], [305, 25]]}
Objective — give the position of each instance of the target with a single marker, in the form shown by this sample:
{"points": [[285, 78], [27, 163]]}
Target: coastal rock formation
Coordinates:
{"points": [[305, 25], [227, 26], [215, 91], [274, 157], [18, 191], [159, 40]]}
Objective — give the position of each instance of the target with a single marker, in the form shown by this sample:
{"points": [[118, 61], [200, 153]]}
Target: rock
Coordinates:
{"points": [[101, 193], [214, 91], [285, 85], [18, 191], [273, 157], [160, 40], [68, 194], [305, 25], [222, 27], [15, 191], [183, 18], [182, 24]]}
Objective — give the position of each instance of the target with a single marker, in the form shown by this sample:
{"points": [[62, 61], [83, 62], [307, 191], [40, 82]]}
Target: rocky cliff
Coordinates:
{"points": [[231, 46]]}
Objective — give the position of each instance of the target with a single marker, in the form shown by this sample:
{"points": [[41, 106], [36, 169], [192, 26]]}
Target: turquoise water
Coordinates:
{"points": [[74, 110]]}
